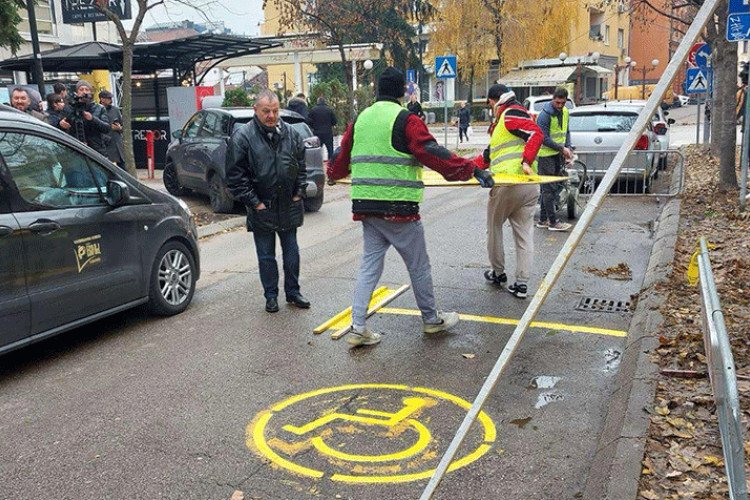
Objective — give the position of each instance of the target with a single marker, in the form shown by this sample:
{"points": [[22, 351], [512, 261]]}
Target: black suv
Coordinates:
{"points": [[196, 157], [80, 239]]}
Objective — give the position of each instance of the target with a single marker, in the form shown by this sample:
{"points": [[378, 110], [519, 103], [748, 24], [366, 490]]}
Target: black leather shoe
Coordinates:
{"points": [[272, 305], [298, 301]]}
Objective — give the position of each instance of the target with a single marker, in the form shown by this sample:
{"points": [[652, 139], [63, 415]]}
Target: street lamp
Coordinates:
{"points": [[645, 69], [629, 63]]}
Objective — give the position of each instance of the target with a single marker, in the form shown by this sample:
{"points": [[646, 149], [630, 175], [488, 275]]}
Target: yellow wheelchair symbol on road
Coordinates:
{"points": [[352, 438]]}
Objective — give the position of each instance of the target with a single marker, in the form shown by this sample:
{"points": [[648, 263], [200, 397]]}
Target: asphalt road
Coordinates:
{"points": [[187, 407]]}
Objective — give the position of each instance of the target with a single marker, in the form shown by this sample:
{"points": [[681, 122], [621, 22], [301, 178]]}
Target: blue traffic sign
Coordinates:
{"points": [[446, 67], [703, 56], [738, 6], [738, 27], [696, 81], [411, 75]]}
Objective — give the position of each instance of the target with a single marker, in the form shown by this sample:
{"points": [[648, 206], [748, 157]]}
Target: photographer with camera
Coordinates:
{"points": [[56, 112], [116, 147], [89, 120]]}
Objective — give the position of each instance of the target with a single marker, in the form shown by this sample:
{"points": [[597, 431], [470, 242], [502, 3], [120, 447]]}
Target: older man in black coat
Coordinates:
{"points": [[266, 171]]}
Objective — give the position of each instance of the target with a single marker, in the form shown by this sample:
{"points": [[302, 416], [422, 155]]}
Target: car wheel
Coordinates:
{"points": [[170, 179], [573, 203], [221, 200], [172, 279], [313, 204]]}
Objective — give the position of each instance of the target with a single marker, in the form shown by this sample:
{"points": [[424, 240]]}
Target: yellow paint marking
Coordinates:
{"points": [[514, 322], [345, 317], [403, 419]]}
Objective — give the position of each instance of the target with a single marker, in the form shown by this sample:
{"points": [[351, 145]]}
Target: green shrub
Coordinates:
{"points": [[236, 98]]}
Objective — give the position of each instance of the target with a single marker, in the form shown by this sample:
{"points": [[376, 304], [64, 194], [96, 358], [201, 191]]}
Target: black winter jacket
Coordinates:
{"points": [[259, 171]]}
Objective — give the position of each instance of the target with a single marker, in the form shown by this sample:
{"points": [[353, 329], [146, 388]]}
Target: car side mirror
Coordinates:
{"points": [[118, 193], [177, 134], [671, 121]]}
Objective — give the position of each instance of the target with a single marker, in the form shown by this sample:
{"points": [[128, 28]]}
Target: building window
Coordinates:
{"points": [[620, 38], [596, 19], [744, 46], [606, 35], [45, 19]]}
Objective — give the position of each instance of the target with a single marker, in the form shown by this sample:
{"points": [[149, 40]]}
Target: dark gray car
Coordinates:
{"points": [[195, 159], [80, 239]]}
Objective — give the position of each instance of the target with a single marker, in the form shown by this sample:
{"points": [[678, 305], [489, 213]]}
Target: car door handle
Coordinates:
{"points": [[5, 231], [44, 226]]}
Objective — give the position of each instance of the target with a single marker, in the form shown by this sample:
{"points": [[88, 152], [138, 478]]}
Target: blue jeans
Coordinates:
{"points": [[265, 246]]}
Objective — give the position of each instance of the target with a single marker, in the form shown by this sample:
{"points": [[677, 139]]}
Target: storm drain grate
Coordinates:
{"points": [[603, 305]]}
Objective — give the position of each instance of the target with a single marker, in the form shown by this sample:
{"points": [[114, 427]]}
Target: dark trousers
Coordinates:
{"points": [[327, 141], [549, 165], [463, 131], [265, 246]]}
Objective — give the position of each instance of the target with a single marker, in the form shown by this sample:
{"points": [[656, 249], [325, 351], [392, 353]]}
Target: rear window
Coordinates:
{"points": [[602, 122]]}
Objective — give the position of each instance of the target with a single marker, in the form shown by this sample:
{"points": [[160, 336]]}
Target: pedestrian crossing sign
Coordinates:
{"points": [[696, 83], [446, 67]]}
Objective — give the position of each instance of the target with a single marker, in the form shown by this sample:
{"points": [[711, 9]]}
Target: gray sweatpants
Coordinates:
{"points": [[516, 204], [408, 240]]}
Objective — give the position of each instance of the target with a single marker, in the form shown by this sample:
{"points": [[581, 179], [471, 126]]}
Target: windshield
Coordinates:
{"points": [[602, 122], [538, 105]]}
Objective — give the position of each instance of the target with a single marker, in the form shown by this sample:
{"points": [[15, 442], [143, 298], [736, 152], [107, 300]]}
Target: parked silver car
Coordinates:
{"points": [[598, 131], [196, 157], [659, 122]]}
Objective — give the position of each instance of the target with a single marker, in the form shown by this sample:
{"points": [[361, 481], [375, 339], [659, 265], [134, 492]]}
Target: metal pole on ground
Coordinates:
{"points": [[694, 31]]}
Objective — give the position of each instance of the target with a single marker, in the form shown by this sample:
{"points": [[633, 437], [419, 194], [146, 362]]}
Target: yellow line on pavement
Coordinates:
{"points": [[514, 322]]}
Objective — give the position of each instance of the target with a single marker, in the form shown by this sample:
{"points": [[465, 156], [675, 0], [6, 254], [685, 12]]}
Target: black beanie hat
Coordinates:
{"points": [[500, 93], [391, 84]]}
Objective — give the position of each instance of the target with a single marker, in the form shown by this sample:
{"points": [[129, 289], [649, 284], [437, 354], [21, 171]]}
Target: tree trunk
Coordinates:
{"points": [[470, 97], [127, 106], [349, 77], [726, 72]]}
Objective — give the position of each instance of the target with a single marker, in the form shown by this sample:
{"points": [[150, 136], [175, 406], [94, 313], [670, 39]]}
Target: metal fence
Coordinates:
{"points": [[644, 173], [723, 378]]}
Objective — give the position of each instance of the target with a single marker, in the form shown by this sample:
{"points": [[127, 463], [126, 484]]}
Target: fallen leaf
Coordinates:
{"points": [[649, 495], [237, 495], [469, 356], [713, 460], [662, 410], [674, 473]]}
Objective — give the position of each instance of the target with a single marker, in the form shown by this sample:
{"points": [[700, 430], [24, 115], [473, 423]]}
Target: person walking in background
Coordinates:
{"points": [[384, 150], [515, 142], [322, 119], [555, 151], [415, 107], [266, 171], [464, 121], [298, 104], [115, 147]]}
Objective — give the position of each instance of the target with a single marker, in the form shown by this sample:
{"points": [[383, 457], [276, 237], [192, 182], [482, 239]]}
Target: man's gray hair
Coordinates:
{"points": [[266, 95]]}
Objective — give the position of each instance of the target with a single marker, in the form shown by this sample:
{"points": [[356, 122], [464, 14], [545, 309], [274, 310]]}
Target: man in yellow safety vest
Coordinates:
{"points": [[556, 150]]}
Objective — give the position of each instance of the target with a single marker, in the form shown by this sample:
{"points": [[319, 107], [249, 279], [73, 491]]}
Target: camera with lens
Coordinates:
{"points": [[79, 104]]}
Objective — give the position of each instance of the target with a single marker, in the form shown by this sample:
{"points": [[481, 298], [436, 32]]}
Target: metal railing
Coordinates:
{"points": [[723, 378], [637, 176]]}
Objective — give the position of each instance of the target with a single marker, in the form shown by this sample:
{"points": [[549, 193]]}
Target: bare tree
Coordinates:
{"points": [[128, 41]]}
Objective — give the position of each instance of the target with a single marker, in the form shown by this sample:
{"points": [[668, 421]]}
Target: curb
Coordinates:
{"points": [[621, 445], [220, 227]]}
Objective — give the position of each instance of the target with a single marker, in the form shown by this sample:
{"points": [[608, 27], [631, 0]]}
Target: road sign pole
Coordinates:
{"points": [[698, 123], [745, 156], [445, 103]]}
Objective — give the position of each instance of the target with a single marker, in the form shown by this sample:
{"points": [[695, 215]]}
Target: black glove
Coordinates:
{"points": [[484, 177]]}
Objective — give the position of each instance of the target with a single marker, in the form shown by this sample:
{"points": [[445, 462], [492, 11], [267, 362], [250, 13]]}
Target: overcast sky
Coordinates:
{"points": [[241, 16]]}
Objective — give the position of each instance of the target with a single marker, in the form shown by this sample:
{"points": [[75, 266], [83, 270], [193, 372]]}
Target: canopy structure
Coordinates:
{"points": [[550, 76], [180, 55]]}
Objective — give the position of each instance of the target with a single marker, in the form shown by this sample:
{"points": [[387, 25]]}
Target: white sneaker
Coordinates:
{"points": [[559, 226], [364, 337], [447, 321]]}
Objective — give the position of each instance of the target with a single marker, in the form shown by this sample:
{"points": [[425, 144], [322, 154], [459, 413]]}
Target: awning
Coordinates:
{"points": [[548, 76], [538, 77]]}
